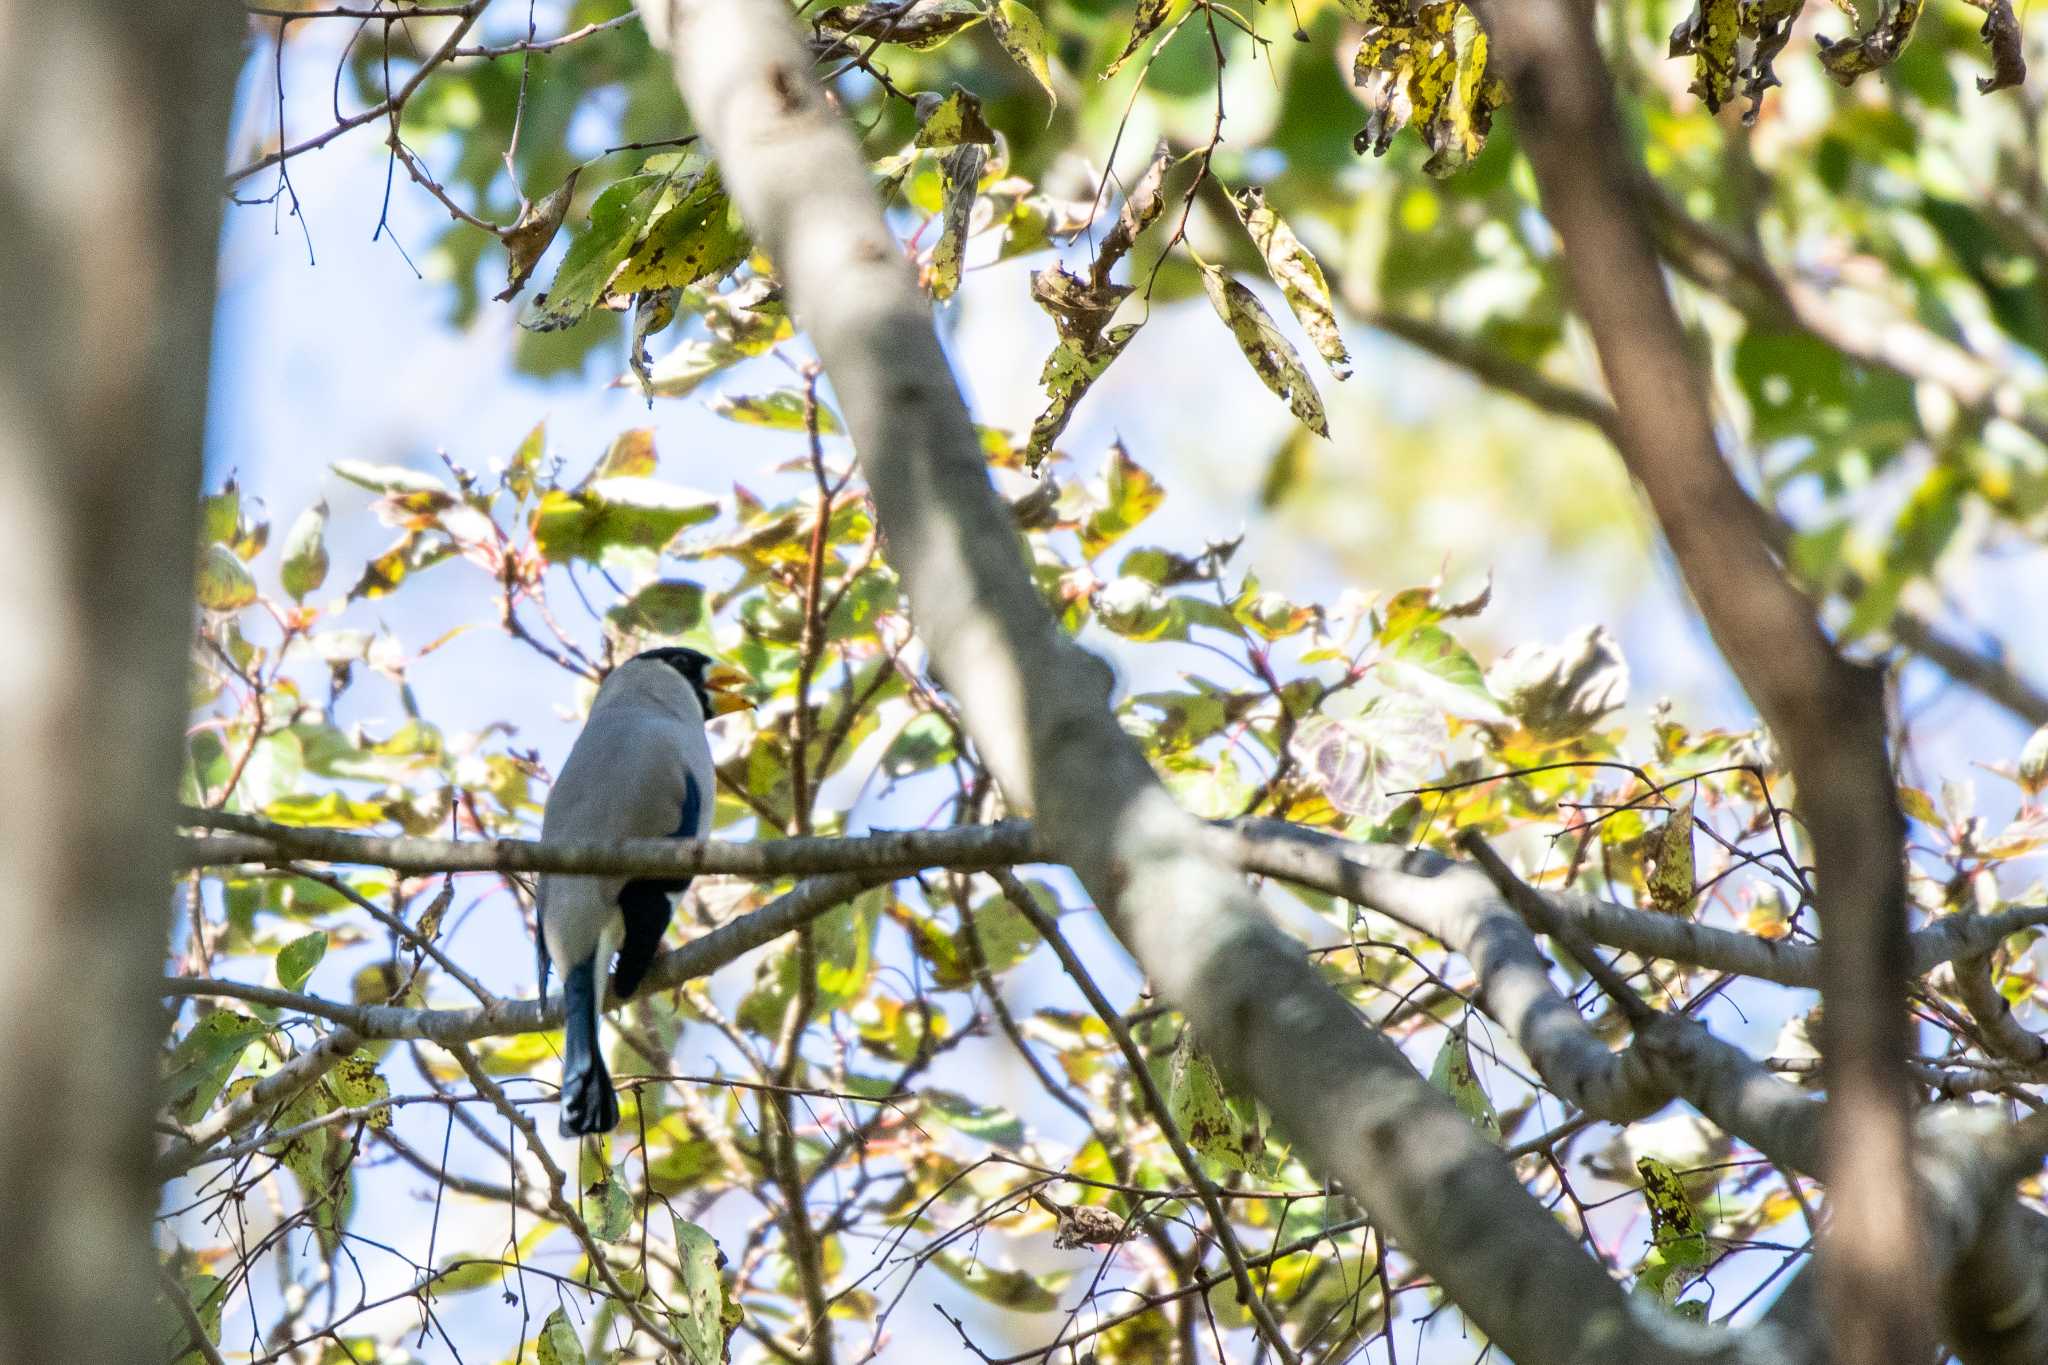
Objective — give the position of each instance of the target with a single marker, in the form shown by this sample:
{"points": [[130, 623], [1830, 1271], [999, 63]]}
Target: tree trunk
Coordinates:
{"points": [[109, 211]]}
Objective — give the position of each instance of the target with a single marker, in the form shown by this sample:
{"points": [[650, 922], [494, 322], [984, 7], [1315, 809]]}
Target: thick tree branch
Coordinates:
{"points": [[116, 115], [1827, 715]]}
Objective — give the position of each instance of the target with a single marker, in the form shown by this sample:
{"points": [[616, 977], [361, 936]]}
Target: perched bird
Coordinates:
{"points": [[640, 769]]}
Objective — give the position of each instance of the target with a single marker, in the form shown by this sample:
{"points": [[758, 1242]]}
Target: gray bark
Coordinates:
{"points": [[116, 118]]}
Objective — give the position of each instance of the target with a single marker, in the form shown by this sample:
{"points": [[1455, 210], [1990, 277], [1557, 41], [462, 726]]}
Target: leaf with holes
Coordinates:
{"points": [[1069, 371], [1452, 1073], [1272, 356], [1299, 276], [617, 220], [961, 171], [706, 1326], [1678, 1242], [1671, 881], [1150, 15], [632, 513], [1215, 1123], [297, 959]]}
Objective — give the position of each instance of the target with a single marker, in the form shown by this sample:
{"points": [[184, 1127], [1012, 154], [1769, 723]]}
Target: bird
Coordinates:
{"points": [[641, 768]]}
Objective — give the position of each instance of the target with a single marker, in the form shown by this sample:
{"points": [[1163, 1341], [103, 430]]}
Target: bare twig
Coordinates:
{"points": [[1270, 1331]]}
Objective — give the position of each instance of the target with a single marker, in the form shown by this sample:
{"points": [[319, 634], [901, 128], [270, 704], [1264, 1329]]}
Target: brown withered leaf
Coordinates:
{"points": [[527, 240], [1141, 208]]}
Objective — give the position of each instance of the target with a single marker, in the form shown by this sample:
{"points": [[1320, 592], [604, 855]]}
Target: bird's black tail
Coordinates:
{"points": [[588, 1104]]}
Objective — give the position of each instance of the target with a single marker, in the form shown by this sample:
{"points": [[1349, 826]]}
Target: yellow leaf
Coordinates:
{"points": [[1022, 35], [1671, 883]]}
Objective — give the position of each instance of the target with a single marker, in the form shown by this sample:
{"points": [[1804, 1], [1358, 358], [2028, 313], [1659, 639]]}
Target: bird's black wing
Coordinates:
{"points": [[647, 903]]}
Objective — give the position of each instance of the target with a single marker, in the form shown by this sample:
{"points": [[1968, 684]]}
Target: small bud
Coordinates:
{"points": [[2034, 762]]}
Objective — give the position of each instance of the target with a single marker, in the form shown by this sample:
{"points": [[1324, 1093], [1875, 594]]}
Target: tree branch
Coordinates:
{"points": [[1421, 889], [1827, 714]]}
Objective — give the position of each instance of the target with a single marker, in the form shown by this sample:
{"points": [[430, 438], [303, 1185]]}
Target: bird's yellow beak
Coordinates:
{"points": [[718, 679]]}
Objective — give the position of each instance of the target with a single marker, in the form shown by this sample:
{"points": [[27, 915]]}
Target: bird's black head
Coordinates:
{"points": [[691, 663]]}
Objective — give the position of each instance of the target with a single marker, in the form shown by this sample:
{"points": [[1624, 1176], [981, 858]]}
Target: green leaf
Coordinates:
{"points": [[688, 365], [394, 480], [842, 945], [1017, 1290], [950, 121], [208, 1296], [204, 1059], [1433, 653], [1452, 1073], [1299, 276], [357, 1084], [1005, 936], [1671, 881], [558, 1344], [1428, 63], [1273, 358], [1072, 367], [1925, 526], [466, 1272], [1851, 57], [1022, 35], [220, 514], [636, 512], [988, 1123], [323, 808], [696, 236], [652, 312], [319, 1160], [961, 173], [523, 470], [930, 24], [297, 959], [416, 552], [631, 455], [1708, 35], [782, 410], [711, 1315], [1678, 1243], [607, 1202], [668, 607], [1129, 495], [305, 552], [617, 220], [1203, 1111], [1561, 691], [224, 585]]}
